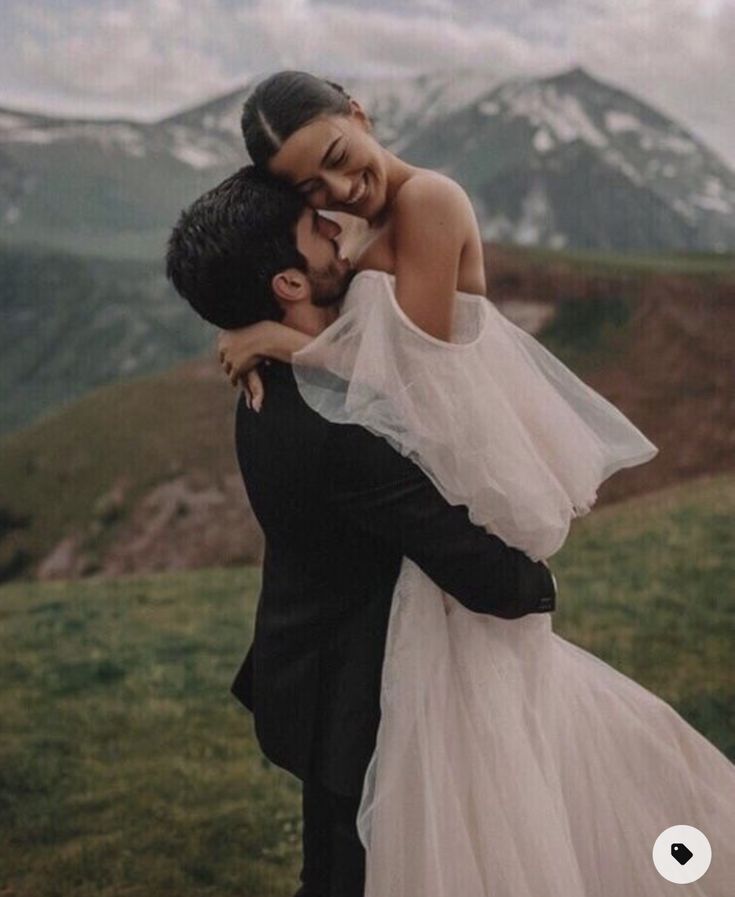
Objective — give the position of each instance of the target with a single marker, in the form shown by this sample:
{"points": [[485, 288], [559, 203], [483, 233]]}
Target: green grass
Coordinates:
{"points": [[695, 264], [587, 334], [127, 768], [647, 586]]}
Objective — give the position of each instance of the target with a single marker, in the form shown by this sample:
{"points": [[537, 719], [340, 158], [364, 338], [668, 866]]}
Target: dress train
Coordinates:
{"points": [[512, 763]]}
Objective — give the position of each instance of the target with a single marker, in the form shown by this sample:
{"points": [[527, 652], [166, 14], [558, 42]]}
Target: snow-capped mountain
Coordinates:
{"points": [[563, 161], [209, 135], [570, 161]]}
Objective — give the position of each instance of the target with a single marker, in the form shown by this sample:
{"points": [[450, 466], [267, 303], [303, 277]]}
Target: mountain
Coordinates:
{"points": [[95, 188], [571, 161], [116, 187], [561, 161]]}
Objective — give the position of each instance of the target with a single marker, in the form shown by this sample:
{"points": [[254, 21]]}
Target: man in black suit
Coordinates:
{"points": [[339, 508]]}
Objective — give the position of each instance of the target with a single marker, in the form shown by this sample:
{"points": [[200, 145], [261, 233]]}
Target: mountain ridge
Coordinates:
{"points": [[67, 181]]}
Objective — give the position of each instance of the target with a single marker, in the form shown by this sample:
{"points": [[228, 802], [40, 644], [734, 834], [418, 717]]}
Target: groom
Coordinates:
{"points": [[339, 508]]}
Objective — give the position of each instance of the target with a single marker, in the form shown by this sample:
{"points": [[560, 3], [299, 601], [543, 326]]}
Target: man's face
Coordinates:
{"points": [[329, 274]]}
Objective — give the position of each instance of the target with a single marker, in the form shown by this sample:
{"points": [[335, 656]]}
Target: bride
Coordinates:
{"points": [[509, 762]]}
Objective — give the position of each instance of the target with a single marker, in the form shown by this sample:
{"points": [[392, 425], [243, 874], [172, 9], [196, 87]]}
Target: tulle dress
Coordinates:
{"points": [[509, 762]]}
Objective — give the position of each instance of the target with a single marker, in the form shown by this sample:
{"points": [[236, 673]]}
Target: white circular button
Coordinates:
{"points": [[682, 854]]}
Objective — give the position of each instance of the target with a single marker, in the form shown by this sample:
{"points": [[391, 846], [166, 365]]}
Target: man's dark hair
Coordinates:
{"points": [[283, 103], [229, 244]]}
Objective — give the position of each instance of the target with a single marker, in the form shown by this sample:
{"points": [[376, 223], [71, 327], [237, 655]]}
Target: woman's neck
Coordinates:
{"points": [[397, 173]]}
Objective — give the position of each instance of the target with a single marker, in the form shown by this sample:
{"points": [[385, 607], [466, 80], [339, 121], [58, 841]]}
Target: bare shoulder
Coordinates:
{"points": [[429, 192]]}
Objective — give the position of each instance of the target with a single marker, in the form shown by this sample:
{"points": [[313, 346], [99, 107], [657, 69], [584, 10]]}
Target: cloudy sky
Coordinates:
{"points": [[146, 58]]}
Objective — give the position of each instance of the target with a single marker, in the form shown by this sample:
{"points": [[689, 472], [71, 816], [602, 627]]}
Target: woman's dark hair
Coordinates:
{"points": [[229, 244], [283, 103]]}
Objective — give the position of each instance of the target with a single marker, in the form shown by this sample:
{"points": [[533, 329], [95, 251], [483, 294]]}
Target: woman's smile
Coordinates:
{"points": [[360, 191], [335, 164]]}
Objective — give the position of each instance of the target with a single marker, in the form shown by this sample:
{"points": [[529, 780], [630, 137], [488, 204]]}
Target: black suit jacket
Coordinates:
{"points": [[340, 508]]}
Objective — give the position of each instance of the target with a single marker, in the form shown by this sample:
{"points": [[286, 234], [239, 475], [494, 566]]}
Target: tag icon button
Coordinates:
{"points": [[681, 853]]}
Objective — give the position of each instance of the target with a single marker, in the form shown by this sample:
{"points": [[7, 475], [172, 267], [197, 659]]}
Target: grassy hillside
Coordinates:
{"points": [[135, 435], [692, 264], [126, 767], [93, 476]]}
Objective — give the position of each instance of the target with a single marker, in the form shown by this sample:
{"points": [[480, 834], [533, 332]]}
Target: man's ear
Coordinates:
{"points": [[359, 113], [290, 285]]}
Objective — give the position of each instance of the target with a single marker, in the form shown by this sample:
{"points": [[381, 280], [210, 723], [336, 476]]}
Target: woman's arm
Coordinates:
{"points": [[431, 216]]}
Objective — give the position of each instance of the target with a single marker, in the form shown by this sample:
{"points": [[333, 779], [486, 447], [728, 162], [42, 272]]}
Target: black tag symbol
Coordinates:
{"points": [[681, 853]]}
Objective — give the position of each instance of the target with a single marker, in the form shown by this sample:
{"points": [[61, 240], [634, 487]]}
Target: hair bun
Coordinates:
{"points": [[338, 88]]}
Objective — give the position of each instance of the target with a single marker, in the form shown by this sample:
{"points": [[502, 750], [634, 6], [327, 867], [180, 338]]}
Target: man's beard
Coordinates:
{"points": [[329, 284]]}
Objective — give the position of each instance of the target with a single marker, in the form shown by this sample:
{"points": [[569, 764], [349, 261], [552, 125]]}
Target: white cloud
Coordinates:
{"points": [[146, 58], [141, 58], [673, 56]]}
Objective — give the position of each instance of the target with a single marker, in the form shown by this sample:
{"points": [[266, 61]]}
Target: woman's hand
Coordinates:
{"points": [[242, 350]]}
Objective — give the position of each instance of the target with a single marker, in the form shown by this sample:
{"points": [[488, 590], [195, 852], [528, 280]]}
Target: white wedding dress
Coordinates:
{"points": [[509, 762]]}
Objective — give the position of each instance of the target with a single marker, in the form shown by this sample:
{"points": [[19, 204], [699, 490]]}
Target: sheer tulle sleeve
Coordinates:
{"points": [[494, 419]]}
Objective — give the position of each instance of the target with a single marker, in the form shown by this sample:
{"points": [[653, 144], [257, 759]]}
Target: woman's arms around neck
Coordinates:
{"points": [[436, 249]]}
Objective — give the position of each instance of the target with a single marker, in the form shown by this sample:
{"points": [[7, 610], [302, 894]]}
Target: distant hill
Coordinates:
{"points": [[137, 475], [71, 323], [561, 161], [141, 475]]}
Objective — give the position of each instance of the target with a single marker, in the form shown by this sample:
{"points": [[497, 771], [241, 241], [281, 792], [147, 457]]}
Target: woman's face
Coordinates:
{"points": [[336, 164]]}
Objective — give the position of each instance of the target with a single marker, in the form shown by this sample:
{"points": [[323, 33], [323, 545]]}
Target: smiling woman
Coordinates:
{"points": [[334, 163], [311, 134]]}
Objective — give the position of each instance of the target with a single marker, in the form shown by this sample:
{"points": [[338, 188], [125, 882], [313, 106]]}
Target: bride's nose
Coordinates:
{"points": [[338, 186]]}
